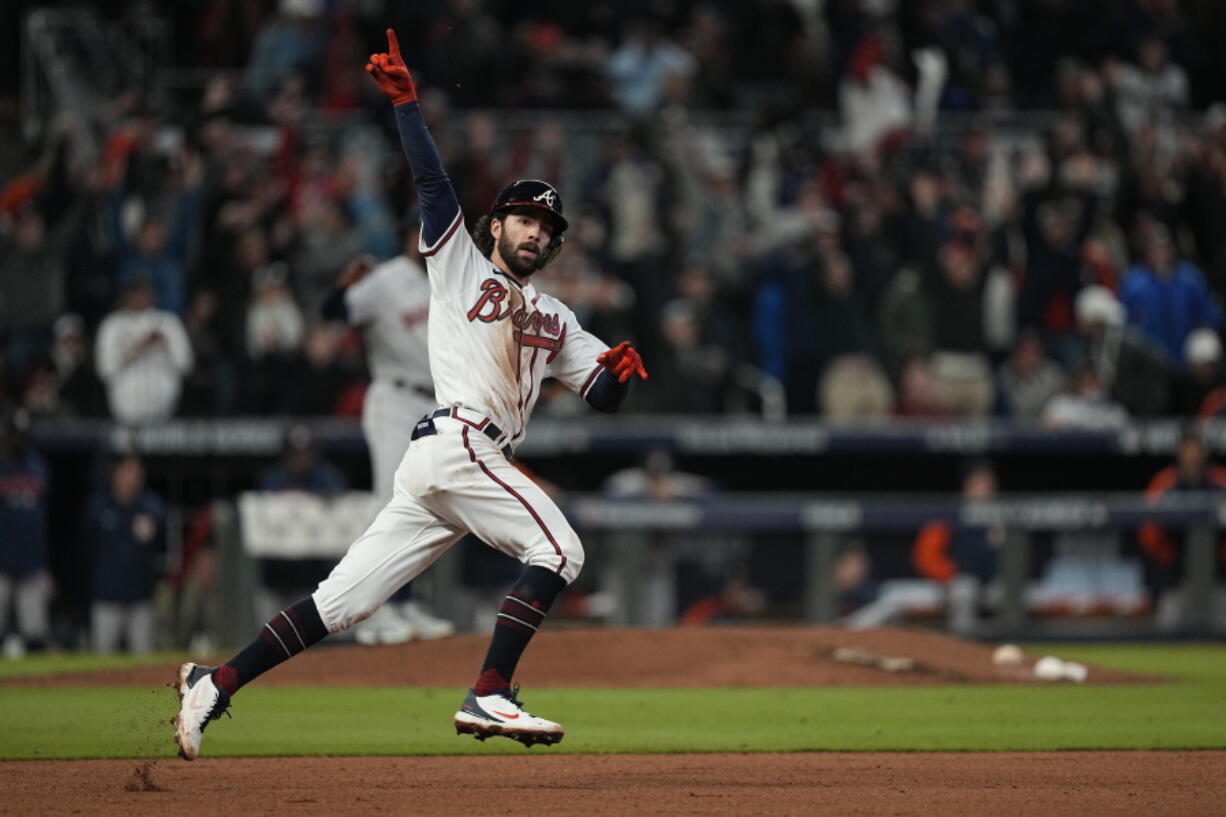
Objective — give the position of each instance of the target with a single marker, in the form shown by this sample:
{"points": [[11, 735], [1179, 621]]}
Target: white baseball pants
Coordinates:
{"points": [[112, 622], [30, 594], [449, 483], [388, 416]]}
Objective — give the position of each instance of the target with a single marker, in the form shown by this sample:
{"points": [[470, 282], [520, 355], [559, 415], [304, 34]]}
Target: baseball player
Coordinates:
{"points": [[390, 304], [493, 339]]}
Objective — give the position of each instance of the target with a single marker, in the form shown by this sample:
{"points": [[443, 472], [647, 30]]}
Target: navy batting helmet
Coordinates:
{"points": [[541, 195]]}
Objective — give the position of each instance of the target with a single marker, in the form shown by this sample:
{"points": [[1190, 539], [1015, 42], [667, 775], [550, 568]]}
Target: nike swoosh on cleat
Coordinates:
{"points": [[504, 715]]}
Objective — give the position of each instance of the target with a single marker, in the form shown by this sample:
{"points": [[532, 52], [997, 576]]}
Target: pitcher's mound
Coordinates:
{"points": [[686, 657]]}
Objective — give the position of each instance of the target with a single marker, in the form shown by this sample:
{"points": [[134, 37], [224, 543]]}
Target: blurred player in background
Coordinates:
{"points": [[25, 584], [124, 531], [962, 558], [1164, 549], [390, 304], [954, 565]]}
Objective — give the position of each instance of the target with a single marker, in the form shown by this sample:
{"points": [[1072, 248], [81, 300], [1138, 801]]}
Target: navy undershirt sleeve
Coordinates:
{"points": [[334, 307], [439, 204], [606, 394]]}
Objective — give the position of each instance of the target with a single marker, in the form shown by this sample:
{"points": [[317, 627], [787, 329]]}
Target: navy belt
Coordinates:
{"points": [[425, 427]]}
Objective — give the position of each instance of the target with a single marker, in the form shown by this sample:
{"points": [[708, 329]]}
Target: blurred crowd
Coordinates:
{"points": [[882, 230]]}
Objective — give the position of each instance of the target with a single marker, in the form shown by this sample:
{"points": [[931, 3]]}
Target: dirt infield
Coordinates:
{"points": [[950, 785], [712, 785], [693, 657]]}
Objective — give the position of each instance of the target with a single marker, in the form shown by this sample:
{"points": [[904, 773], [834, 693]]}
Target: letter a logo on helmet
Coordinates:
{"points": [[532, 193], [540, 195]]}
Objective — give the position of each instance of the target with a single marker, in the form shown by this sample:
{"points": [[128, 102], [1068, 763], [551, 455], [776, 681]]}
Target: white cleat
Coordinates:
{"points": [[502, 715], [200, 701], [384, 626], [425, 626]]}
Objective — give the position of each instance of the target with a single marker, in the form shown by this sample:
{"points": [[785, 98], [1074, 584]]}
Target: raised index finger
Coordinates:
{"points": [[393, 45]]}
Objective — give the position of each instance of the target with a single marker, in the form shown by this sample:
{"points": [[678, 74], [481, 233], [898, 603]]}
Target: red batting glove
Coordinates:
{"points": [[623, 361], [391, 74]]}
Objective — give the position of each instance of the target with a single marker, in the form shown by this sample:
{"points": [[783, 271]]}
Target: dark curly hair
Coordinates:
{"points": [[482, 237]]}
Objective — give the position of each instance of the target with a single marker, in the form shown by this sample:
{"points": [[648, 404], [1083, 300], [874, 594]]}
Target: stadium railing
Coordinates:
{"points": [[636, 434], [301, 526]]}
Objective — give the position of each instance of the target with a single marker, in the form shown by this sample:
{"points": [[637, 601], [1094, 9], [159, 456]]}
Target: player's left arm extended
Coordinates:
{"points": [[611, 385], [440, 208]]}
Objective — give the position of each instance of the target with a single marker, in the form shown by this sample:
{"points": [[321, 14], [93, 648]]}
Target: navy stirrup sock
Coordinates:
{"points": [[521, 614], [285, 635]]}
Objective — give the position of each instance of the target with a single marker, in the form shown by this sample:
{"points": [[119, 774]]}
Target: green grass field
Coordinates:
{"points": [[1189, 713]]}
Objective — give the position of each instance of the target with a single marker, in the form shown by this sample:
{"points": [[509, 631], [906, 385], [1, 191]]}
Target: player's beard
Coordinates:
{"points": [[518, 265]]}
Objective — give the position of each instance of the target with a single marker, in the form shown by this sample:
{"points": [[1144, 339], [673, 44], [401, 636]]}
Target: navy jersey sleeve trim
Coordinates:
{"points": [[605, 393], [440, 209]]}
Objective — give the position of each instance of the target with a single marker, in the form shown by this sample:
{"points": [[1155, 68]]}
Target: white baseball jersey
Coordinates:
{"points": [[493, 340], [391, 306]]}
